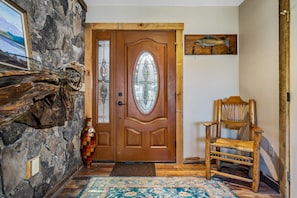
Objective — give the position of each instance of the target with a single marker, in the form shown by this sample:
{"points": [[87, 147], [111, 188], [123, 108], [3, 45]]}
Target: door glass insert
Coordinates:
{"points": [[103, 81], [146, 83]]}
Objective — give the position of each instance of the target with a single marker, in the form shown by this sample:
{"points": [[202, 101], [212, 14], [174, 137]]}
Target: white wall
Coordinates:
{"points": [[293, 111], [258, 72], [206, 78]]}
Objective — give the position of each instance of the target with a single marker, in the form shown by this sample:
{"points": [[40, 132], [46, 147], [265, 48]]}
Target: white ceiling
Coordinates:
{"points": [[91, 3]]}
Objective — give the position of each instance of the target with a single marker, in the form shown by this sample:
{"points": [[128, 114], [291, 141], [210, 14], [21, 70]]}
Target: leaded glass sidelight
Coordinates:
{"points": [[103, 81], [146, 83]]}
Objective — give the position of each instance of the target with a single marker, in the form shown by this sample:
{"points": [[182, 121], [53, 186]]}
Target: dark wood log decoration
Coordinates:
{"points": [[40, 99]]}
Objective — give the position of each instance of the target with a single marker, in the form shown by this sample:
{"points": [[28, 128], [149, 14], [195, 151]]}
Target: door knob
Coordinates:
{"points": [[120, 103]]}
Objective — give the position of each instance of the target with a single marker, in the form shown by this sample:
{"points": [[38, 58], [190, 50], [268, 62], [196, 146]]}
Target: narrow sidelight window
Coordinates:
{"points": [[103, 81]]}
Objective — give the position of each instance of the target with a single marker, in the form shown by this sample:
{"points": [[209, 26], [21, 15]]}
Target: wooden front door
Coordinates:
{"points": [[142, 124], [146, 87]]}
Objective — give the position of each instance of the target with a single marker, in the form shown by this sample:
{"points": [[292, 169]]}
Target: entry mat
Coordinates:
{"points": [[133, 169]]}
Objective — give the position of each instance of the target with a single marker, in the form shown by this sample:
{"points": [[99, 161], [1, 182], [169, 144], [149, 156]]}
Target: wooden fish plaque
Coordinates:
{"points": [[210, 44]]}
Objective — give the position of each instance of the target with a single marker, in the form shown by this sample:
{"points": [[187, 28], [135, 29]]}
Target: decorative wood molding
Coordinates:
{"points": [[135, 26], [83, 5]]}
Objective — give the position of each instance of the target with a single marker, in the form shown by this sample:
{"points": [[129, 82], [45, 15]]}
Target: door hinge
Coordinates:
{"points": [[289, 177], [288, 97], [286, 13]]}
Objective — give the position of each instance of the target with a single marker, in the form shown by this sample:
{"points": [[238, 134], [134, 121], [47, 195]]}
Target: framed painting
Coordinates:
{"points": [[211, 44], [14, 46]]}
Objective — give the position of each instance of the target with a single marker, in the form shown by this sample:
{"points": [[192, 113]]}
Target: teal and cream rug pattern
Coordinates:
{"points": [[157, 187]]}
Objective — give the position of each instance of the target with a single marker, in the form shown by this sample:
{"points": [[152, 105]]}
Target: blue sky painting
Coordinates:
{"points": [[11, 16], [12, 34]]}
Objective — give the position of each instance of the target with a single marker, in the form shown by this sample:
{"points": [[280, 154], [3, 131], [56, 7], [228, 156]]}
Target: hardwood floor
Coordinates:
{"points": [[74, 185]]}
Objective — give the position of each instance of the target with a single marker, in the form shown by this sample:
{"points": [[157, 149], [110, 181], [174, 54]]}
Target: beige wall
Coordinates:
{"points": [[293, 126], [258, 72], [205, 77], [253, 75]]}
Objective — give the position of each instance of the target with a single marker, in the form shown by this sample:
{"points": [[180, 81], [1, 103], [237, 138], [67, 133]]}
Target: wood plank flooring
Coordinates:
{"points": [[74, 185]]}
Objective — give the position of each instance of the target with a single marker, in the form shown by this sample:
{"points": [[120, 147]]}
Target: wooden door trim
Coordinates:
{"points": [[178, 27], [284, 105]]}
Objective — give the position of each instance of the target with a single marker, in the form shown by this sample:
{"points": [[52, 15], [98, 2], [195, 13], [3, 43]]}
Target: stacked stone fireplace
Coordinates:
{"points": [[56, 29]]}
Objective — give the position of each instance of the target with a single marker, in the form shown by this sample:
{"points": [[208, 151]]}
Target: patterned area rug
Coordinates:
{"points": [[156, 187], [133, 169]]}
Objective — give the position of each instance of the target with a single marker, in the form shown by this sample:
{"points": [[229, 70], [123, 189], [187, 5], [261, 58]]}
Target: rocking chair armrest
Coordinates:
{"points": [[208, 124], [257, 138], [208, 127], [257, 130]]}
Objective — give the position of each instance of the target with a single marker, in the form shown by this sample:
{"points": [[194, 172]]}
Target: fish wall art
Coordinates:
{"points": [[210, 44]]}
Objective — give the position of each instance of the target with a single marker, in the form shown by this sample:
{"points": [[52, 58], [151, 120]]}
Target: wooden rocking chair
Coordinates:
{"points": [[234, 115]]}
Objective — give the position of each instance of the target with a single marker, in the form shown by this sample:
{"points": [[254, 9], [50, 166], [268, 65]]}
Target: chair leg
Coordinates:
{"points": [[256, 182], [207, 153], [256, 162], [256, 171], [207, 167], [250, 172], [219, 165]]}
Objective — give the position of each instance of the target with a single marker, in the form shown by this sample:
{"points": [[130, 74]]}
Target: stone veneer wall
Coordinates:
{"points": [[56, 29]]}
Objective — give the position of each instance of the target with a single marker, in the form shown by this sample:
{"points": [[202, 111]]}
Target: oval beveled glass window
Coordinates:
{"points": [[146, 83]]}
